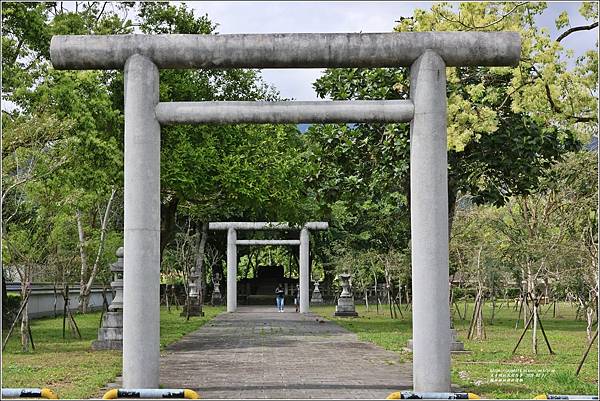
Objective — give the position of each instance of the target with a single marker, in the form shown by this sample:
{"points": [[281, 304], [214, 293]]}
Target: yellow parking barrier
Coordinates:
{"points": [[29, 393], [403, 395], [150, 393]]}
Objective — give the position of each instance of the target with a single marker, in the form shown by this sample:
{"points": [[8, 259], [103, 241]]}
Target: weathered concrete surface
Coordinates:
{"points": [[141, 271], [351, 111], [231, 270], [267, 242], [259, 353], [286, 50], [303, 262], [264, 225], [429, 225]]}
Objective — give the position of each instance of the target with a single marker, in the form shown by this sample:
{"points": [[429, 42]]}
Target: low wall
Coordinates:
{"points": [[42, 298]]}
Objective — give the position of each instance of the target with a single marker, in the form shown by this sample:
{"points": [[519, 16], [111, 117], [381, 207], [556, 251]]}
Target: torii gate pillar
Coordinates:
{"points": [[304, 270], [141, 280], [231, 270]]}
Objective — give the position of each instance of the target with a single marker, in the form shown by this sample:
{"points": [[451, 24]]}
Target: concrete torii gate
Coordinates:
{"points": [[233, 242], [426, 53]]}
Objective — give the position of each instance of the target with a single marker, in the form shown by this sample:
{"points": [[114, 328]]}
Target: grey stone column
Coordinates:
{"points": [[141, 294], [231, 270], [429, 225], [304, 279]]}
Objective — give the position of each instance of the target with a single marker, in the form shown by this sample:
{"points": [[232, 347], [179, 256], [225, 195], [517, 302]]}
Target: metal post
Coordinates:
{"points": [[231, 270], [429, 225], [304, 279], [141, 303]]}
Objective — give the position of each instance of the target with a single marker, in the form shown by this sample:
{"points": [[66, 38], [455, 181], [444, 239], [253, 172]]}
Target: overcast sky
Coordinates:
{"points": [[342, 16]]}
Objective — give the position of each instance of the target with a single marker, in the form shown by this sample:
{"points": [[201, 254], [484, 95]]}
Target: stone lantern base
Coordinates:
{"points": [[216, 299], [110, 334], [345, 307], [195, 308], [316, 298]]}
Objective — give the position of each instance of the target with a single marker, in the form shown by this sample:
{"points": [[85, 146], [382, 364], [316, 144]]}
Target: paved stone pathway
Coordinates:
{"points": [[260, 353]]}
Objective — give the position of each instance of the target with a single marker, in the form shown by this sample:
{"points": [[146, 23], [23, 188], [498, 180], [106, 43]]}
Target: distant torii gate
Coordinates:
{"points": [[426, 53], [232, 243]]}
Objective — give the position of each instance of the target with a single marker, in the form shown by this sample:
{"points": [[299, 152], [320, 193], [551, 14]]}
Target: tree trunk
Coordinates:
{"points": [[480, 323], [200, 263], [476, 328], [25, 329], [168, 227], [4, 302], [84, 266], [451, 207], [86, 289], [533, 296], [535, 324], [590, 321]]}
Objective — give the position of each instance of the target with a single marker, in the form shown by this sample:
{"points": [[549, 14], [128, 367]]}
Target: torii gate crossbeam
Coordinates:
{"points": [[427, 54]]}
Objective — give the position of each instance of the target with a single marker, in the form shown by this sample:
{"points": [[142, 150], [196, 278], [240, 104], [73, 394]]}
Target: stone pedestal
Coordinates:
{"points": [[455, 344], [345, 306], [195, 308], [110, 333], [316, 297]]}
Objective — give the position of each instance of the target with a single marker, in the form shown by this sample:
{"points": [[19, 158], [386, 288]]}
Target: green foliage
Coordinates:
{"points": [[504, 131], [67, 126]]}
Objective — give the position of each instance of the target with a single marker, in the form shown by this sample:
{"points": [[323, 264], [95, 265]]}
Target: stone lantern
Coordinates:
{"points": [[193, 296], [345, 306], [316, 298], [110, 334], [216, 295]]}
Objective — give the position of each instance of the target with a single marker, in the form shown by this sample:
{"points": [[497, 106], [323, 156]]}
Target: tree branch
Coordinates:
{"points": [[576, 29], [31, 177], [101, 12], [553, 105], [82, 253], [472, 27], [103, 230]]}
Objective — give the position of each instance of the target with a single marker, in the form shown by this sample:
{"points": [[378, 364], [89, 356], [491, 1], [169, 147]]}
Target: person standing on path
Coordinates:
{"points": [[279, 297]]}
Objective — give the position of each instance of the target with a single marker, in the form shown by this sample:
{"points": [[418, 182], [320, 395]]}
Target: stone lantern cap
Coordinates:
{"points": [[117, 267]]}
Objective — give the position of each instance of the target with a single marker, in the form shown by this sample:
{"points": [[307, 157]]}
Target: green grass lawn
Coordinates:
{"points": [[68, 366], [480, 370]]}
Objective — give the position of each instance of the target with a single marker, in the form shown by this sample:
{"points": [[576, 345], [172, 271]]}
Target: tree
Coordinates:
{"points": [[500, 141], [68, 125], [546, 237]]}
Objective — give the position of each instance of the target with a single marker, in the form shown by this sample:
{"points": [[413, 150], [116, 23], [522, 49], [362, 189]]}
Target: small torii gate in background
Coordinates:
{"points": [[426, 53], [232, 243]]}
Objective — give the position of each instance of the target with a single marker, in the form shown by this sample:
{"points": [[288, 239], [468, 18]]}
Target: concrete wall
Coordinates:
{"points": [[41, 300]]}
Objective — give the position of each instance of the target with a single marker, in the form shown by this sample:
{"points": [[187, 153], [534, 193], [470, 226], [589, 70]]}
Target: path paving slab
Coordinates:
{"points": [[257, 352]]}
